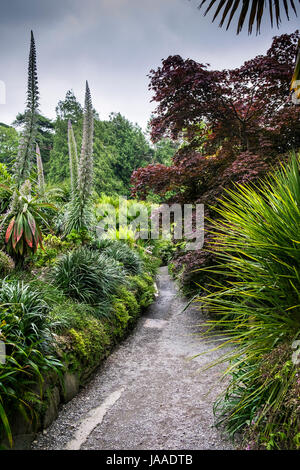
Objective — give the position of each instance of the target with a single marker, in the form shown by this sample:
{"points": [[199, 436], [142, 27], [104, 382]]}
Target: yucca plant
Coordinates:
{"points": [[87, 276], [257, 305]]}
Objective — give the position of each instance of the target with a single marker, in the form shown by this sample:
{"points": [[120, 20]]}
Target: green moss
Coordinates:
{"points": [[143, 289], [128, 298], [119, 320], [89, 344]]}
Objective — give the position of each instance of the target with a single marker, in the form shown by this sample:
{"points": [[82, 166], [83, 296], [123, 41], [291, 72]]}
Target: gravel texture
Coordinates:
{"points": [[165, 401]]}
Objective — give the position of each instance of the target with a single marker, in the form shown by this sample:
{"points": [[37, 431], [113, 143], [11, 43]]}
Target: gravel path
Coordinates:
{"points": [[148, 394]]}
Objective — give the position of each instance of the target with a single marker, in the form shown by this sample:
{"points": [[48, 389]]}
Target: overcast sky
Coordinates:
{"points": [[113, 44]]}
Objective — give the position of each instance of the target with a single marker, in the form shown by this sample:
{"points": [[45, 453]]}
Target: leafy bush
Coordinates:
{"points": [[5, 180], [52, 247], [28, 311], [87, 276], [143, 289], [120, 319], [257, 305], [6, 264], [129, 300], [165, 250], [24, 329], [123, 234], [124, 254], [101, 244]]}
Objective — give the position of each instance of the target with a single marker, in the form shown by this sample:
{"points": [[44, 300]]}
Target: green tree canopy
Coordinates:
{"points": [[9, 142]]}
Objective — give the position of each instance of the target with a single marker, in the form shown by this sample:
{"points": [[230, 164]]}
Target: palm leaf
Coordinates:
{"points": [[255, 8]]}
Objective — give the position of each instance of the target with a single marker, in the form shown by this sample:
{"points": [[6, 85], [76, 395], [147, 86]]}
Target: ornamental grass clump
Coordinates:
{"points": [[129, 258], [257, 307], [87, 276], [25, 331]]}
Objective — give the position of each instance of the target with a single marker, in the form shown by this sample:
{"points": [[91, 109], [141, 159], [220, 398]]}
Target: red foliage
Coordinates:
{"points": [[249, 119]]}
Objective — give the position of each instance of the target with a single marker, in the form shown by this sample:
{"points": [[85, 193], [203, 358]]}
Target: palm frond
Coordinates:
{"points": [[255, 9]]}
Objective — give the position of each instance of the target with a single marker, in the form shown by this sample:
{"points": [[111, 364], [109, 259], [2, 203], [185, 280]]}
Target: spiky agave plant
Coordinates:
{"points": [[26, 152], [79, 215]]}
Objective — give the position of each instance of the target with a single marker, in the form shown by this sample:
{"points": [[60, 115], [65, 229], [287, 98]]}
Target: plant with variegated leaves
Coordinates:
{"points": [[23, 234]]}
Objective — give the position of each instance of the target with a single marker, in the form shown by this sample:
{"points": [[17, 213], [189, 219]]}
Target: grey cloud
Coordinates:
{"points": [[113, 44]]}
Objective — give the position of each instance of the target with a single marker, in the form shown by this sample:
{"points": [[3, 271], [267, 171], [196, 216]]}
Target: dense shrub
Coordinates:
{"points": [[124, 254], [143, 288], [87, 276], [26, 310], [52, 247], [258, 306], [24, 328], [6, 264]]}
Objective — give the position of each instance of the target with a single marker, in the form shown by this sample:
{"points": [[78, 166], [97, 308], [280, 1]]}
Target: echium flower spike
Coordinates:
{"points": [[27, 145], [40, 170], [86, 156], [73, 159], [79, 215]]}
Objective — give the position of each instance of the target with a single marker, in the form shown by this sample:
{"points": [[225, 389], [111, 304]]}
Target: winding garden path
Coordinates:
{"points": [[148, 394]]}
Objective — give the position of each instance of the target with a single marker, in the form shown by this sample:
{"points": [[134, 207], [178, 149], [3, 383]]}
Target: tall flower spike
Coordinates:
{"points": [[79, 215], [26, 152], [86, 156], [40, 170], [73, 159]]}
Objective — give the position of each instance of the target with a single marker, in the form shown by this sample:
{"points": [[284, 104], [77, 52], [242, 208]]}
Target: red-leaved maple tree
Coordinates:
{"points": [[235, 125]]}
